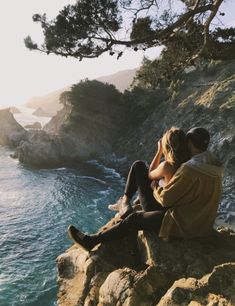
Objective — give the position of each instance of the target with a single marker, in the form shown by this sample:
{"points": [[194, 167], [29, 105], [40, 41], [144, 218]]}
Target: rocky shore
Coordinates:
{"points": [[11, 132], [60, 142], [150, 272]]}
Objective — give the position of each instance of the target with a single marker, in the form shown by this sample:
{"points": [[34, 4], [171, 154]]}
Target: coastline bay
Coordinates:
{"points": [[36, 206]]}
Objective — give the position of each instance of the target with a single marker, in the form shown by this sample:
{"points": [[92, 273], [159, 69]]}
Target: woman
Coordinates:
{"points": [[173, 147]]}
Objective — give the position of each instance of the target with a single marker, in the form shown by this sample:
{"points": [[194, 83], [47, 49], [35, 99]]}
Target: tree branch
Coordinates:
{"points": [[214, 11]]}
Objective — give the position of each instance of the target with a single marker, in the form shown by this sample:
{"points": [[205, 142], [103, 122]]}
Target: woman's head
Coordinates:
{"points": [[174, 146]]}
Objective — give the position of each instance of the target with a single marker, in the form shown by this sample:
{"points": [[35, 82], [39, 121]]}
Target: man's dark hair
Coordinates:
{"points": [[199, 137]]}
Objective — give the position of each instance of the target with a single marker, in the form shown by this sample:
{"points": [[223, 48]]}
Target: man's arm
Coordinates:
{"points": [[178, 187]]}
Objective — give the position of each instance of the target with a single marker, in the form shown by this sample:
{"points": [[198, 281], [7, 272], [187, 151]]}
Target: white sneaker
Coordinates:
{"points": [[117, 206]]}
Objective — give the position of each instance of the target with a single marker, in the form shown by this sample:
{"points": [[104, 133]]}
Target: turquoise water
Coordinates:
{"points": [[36, 206]]}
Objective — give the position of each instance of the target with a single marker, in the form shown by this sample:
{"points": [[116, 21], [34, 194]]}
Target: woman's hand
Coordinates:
{"points": [[157, 158], [159, 145], [154, 184]]}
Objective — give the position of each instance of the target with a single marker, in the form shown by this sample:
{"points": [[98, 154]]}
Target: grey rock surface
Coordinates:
{"points": [[154, 272], [11, 132]]}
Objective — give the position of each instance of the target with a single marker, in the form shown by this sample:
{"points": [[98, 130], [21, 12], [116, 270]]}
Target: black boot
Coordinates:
{"points": [[85, 241]]}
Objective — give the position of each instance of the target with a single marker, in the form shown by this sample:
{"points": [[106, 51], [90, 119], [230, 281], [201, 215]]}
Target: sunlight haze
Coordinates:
{"points": [[25, 73]]}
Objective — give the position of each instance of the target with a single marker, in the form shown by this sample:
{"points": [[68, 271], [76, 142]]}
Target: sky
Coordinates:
{"points": [[25, 74]]}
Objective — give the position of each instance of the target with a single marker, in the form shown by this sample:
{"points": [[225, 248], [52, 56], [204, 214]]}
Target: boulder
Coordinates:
{"points": [[11, 132], [139, 272], [215, 288], [48, 150], [40, 149], [66, 140]]}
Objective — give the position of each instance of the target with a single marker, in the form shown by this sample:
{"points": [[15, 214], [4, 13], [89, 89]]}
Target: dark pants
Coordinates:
{"points": [[138, 180], [149, 219]]}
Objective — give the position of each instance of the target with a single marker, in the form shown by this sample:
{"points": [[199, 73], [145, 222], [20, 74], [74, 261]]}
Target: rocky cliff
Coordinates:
{"points": [[11, 132], [204, 97], [197, 272], [156, 272], [69, 137], [150, 272]]}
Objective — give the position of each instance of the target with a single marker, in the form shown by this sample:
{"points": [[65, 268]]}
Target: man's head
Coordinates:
{"points": [[198, 140]]}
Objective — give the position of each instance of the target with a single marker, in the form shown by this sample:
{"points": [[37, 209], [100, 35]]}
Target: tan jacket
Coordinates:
{"points": [[192, 196]]}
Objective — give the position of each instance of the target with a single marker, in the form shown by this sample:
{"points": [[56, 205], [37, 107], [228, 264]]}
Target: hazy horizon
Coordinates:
{"points": [[25, 74]]}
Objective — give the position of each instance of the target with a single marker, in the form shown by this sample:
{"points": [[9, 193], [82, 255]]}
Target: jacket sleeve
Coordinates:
{"points": [[177, 191]]}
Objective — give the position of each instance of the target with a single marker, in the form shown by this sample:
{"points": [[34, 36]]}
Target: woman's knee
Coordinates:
{"points": [[140, 165], [134, 220]]}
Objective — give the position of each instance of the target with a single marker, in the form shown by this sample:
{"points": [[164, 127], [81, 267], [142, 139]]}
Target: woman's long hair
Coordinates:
{"points": [[174, 146]]}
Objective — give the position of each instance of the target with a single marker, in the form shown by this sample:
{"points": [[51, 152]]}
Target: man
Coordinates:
{"points": [[190, 200], [193, 194]]}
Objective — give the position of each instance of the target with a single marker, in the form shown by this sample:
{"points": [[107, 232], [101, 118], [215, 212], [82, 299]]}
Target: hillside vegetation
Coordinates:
{"points": [[50, 103]]}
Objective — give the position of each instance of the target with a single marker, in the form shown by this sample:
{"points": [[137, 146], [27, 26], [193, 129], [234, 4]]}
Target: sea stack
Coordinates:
{"points": [[11, 132]]}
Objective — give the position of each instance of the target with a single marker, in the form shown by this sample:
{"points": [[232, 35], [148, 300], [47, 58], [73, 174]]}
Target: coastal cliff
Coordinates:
{"points": [[151, 272], [11, 132], [156, 272], [67, 139], [201, 96]]}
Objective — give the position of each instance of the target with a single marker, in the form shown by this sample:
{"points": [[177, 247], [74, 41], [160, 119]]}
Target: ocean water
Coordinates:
{"points": [[36, 206]]}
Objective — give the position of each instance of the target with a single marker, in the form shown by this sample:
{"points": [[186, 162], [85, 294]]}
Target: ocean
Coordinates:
{"points": [[36, 207]]}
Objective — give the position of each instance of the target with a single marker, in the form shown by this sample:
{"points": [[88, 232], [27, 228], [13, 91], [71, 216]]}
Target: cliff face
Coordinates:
{"points": [[68, 138], [192, 272], [152, 272], [11, 132], [204, 97]]}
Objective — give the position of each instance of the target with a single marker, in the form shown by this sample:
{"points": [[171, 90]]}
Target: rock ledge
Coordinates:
{"points": [[150, 272]]}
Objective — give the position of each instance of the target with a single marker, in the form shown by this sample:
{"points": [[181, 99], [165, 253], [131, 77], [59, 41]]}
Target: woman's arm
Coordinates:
{"points": [[156, 160], [159, 172]]}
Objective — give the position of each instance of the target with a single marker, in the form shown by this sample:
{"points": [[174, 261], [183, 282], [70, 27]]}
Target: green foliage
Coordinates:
{"points": [[150, 74], [88, 29], [142, 29], [30, 44], [224, 35], [173, 60], [93, 97], [77, 28], [138, 104]]}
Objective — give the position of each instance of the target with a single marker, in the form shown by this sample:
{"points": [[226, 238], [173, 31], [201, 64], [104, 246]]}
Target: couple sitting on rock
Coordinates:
{"points": [[179, 196]]}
